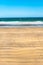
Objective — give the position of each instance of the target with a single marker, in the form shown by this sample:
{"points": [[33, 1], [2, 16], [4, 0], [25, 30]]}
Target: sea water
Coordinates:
{"points": [[21, 21]]}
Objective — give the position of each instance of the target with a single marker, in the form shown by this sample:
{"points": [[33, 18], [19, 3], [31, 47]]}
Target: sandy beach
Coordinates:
{"points": [[21, 46]]}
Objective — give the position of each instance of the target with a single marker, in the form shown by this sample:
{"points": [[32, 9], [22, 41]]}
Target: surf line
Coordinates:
{"points": [[13, 23]]}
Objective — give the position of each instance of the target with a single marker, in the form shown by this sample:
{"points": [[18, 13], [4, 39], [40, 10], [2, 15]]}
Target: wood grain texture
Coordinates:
{"points": [[21, 46]]}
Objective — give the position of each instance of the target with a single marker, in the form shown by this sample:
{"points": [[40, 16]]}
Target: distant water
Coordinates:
{"points": [[16, 22], [30, 19]]}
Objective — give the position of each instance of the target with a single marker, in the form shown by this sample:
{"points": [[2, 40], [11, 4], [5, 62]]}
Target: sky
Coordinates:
{"points": [[21, 8]]}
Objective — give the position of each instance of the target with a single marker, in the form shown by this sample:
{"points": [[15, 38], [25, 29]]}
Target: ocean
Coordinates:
{"points": [[22, 21]]}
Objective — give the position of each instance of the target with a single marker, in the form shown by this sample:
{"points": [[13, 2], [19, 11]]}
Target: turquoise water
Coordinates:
{"points": [[21, 22], [26, 19]]}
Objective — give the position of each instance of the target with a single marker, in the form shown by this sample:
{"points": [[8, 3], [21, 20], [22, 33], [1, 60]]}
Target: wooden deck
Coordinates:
{"points": [[21, 46]]}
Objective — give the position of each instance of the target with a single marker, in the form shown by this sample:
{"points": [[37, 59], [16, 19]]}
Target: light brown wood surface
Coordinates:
{"points": [[21, 46]]}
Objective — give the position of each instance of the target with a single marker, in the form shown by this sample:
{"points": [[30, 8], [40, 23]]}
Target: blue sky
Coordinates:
{"points": [[21, 8]]}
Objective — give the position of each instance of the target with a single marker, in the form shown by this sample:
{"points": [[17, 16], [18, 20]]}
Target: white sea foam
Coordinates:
{"points": [[21, 22]]}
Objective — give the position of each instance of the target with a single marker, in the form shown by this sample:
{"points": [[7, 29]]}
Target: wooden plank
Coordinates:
{"points": [[21, 46]]}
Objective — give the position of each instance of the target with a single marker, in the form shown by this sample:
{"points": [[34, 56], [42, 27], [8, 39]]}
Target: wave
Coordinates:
{"points": [[21, 24]]}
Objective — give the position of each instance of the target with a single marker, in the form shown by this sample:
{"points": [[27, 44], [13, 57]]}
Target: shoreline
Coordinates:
{"points": [[21, 24]]}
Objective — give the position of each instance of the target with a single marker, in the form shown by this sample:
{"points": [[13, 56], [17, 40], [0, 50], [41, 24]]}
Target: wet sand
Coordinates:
{"points": [[21, 46]]}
